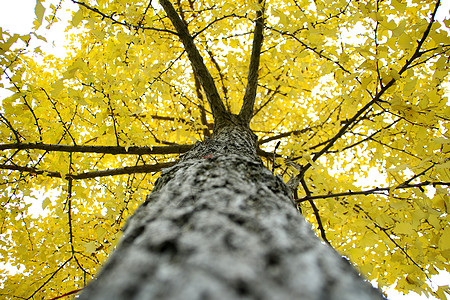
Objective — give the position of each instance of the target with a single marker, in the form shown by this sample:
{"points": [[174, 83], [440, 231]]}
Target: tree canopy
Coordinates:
{"points": [[346, 90]]}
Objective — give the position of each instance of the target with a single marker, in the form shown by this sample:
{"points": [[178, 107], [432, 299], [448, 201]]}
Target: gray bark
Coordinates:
{"points": [[219, 225]]}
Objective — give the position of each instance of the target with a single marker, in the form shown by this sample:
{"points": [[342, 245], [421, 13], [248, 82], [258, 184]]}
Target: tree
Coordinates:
{"points": [[334, 90]]}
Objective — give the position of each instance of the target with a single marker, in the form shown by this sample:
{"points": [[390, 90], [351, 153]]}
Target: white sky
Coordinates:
{"points": [[17, 16]]}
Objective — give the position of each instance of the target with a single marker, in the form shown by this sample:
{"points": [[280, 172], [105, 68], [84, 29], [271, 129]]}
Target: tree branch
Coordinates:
{"points": [[389, 235], [370, 137], [222, 77], [351, 122], [125, 170], [124, 23], [50, 278], [66, 129], [198, 88], [93, 174], [67, 294], [114, 150], [69, 205], [374, 190], [15, 132], [24, 97], [246, 112], [283, 135], [218, 109], [316, 212]]}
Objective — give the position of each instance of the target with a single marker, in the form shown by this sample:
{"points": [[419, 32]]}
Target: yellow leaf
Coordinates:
{"points": [[394, 74], [445, 165], [410, 85], [365, 81], [45, 203], [442, 291], [444, 240], [89, 247], [447, 23], [434, 221], [99, 34], [405, 41], [101, 232], [403, 228], [441, 140], [128, 145], [77, 17], [39, 11], [399, 6], [57, 87]]}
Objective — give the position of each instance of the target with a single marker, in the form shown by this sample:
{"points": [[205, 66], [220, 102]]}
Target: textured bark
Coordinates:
{"points": [[219, 225]]}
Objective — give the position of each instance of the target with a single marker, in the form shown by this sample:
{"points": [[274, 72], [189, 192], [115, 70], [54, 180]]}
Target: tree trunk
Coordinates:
{"points": [[219, 225]]}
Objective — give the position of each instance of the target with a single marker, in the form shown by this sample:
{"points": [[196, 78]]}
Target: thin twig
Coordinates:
{"points": [[124, 23], [316, 212], [377, 190], [274, 155]]}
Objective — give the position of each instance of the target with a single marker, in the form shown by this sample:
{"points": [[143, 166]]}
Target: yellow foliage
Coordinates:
{"points": [[126, 81]]}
